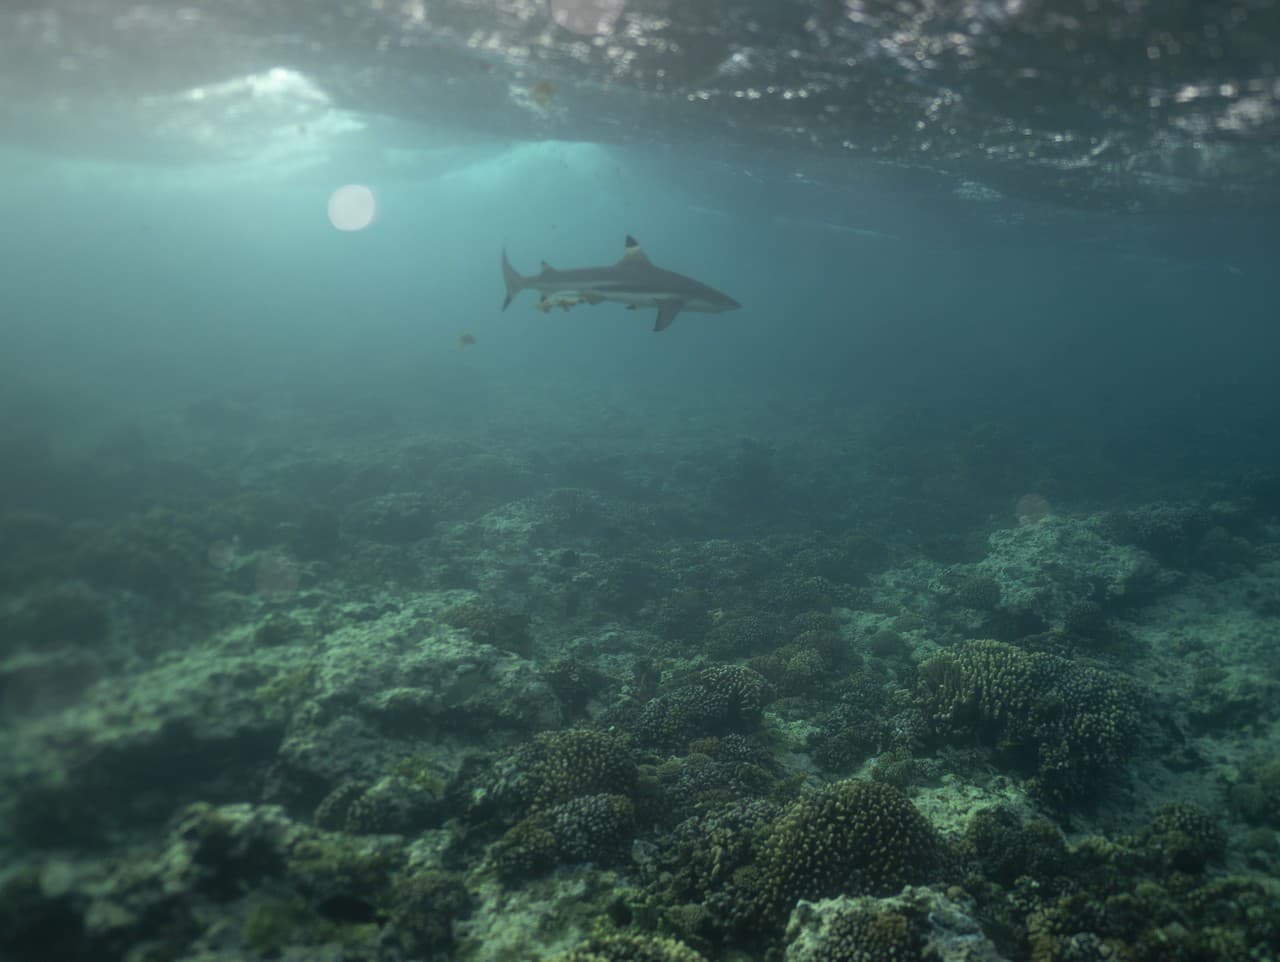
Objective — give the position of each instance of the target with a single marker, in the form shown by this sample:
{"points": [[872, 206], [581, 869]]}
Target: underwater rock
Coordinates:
{"points": [[36, 682], [487, 624], [33, 548], [137, 749], [1047, 568], [315, 534], [485, 476], [161, 554], [630, 948], [376, 692], [53, 614], [920, 925], [395, 519]]}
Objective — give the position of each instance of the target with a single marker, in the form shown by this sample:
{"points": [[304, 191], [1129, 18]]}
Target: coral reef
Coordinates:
{"points": [[1067, 723], [721, 699], [852, 837], [1042, 571], [919, 925], [326, 686], [630, 948]]}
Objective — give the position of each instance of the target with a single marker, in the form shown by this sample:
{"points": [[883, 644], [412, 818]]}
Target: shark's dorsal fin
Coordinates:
{"points": [[547, 267], [632, 252]]}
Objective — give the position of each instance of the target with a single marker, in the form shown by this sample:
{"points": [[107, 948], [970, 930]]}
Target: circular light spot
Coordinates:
{"points": [[276, 578], [587, 17], [1032, 508], [222, 555], [352, 207]]}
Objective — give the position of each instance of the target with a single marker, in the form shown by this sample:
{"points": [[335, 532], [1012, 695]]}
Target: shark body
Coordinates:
{"points": [[633, 281]]}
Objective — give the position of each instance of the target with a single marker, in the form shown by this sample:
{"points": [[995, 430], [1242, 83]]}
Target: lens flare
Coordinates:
{"points": [[276, 578], [589, 18], [1032, 508], [352, 207]]}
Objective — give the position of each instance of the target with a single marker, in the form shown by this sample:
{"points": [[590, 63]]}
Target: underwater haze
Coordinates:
{"points": [[857, 539]]}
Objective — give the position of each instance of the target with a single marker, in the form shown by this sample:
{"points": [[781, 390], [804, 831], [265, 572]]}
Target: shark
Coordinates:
{"points": [[634, 281]]}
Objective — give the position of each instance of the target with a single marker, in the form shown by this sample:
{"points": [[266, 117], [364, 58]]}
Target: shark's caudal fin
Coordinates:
{"points": [[515, 283]]}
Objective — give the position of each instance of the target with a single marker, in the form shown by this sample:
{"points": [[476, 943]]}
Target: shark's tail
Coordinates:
{"points": [[515, 283]]}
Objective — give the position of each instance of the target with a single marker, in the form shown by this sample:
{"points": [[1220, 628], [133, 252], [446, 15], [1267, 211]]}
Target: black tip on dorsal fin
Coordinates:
{"points": [[632, 252]]}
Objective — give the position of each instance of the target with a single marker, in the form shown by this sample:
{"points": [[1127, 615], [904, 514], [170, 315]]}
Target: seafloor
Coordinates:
{"points": [[293, 678]]}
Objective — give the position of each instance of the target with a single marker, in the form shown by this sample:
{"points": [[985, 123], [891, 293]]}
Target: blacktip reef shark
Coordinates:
{"points": [[633, 281]]}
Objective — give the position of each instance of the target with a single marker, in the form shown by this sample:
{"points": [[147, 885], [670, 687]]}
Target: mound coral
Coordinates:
{"points": [[1068, 722], [631, 948], [722, 699], [852, 837]]}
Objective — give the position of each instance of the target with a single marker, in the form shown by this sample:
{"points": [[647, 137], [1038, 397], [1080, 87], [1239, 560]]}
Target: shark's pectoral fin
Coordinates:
{"points": [[667, 311]]}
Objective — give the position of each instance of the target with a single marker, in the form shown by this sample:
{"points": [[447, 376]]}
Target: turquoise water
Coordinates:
{"points": [[923, 608]]}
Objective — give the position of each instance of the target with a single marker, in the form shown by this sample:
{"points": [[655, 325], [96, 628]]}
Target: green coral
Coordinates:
{"points": [[393, 805], [630, 948], [1004, 848], [1184, 837], [590, 828], [742, 635], [324, 866], [804, 672], [871, 936], [56, 613], [701, 856], [490, 625], [720, 699], [980, 592], [273, 926], [1140, 898], [594, 828], [287, 690], [1067, 722], [331, 813], [559, 766], [1231, 919], [851, 837], [574, 683], [1256, 796], [36, 925], [423, 907], [526, 849]]}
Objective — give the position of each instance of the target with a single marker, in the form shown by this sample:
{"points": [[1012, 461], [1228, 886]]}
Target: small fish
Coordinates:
{"points": [[465, 340], [633, 280]]}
